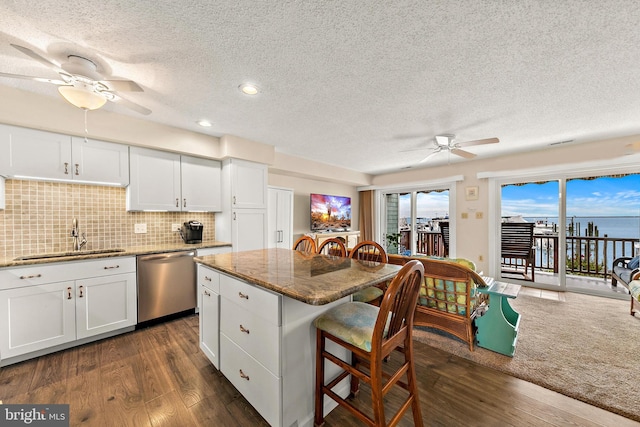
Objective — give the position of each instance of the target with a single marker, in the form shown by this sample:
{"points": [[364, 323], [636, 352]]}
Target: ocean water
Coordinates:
{"points": [[627, 227]]}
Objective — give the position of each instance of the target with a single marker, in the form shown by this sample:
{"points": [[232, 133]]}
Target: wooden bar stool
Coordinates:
{"points": [[371, 333], [333, 247], [369, 250], [305, 244]]}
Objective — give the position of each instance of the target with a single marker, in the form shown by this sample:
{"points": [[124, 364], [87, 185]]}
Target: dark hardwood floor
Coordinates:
{"points": [[158, 376]]}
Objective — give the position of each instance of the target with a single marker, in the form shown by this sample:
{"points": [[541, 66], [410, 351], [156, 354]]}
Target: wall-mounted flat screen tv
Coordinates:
{"points": [[330, 213]]}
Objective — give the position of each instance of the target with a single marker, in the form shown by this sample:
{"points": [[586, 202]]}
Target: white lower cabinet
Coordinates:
{"points": [[84, 299], [266, 347], [209, 296]]}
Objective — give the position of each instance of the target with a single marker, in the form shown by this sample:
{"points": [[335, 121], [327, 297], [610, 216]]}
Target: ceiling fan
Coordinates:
{"points": [[446, 142], [81, 84]]}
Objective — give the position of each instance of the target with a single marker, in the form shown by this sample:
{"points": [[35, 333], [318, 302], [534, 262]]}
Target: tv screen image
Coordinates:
{"points": [[330, 213]]}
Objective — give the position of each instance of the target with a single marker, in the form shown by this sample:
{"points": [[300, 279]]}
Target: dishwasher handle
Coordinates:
{"points": [[166, 256]]}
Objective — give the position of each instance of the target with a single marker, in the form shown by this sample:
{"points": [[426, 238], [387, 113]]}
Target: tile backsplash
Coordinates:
{"points": [[38, 219]]}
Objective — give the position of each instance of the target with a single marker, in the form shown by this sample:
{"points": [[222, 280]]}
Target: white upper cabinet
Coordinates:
{"points": [[31, 153], [200, 184], [34, 153], [248, 185], [99, 161], [169, 182]]}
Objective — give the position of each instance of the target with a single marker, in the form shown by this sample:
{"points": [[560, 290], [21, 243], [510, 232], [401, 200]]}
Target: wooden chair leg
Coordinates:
{"points": [[412, 383], [319, 398]]}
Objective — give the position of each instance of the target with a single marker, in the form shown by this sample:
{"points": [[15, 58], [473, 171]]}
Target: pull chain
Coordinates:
{"points": [[86, 131]]}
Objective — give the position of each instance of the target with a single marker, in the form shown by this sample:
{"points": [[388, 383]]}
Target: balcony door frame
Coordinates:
{"points": [[560, 173]]}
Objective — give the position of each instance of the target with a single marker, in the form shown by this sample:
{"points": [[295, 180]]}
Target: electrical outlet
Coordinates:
{"points": [[464, 215], [479, 215], [140, 228], [175, 227]]}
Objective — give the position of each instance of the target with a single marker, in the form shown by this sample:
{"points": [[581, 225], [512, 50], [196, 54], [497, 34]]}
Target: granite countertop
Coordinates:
{"points": [[105, 253], [310, 278]]}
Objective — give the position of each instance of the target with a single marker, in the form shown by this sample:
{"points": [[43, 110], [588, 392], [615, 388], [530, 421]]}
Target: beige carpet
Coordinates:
{"points": [[587, 348]]}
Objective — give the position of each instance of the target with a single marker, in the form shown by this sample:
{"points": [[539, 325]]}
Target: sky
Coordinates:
{"points": [[430, 205], [598, 197]]}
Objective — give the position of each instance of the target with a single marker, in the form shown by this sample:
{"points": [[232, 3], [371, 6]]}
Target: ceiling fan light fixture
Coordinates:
{"points": [[82, 96]]}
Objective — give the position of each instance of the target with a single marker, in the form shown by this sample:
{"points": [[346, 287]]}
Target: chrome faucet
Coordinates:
{"points": [[78, 242]]}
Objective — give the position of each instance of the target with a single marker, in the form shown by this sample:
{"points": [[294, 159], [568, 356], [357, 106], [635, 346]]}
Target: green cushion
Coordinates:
{"points": [[368, 294], [634, 288], [352, 322]]}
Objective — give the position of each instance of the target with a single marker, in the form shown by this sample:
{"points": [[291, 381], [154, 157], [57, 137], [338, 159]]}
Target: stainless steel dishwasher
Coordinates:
{"points": [[166, 284]]}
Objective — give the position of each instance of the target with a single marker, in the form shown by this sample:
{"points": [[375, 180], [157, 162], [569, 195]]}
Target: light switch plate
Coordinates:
{"points": [[140, 228], [175, 227]]}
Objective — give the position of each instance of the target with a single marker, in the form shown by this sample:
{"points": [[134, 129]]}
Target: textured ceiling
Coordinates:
{"points": [[354, 83]]}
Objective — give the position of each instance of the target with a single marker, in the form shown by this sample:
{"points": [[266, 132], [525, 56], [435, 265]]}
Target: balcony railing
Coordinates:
{"points": [[588, 256]]}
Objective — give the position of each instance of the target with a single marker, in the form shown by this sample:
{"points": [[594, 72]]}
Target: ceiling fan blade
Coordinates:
{"points": [[122, 85], [38, 79], [478, 142], [415, 149], [38, 58], [131, 105], [462, 153], [433, 153]]}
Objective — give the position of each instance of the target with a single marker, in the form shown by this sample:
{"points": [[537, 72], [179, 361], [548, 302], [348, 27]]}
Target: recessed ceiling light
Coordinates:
{"points": [[248, 88], [204, 123]]}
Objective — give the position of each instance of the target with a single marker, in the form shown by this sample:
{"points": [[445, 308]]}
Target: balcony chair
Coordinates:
{"points": [[305, 244], [517, 244], [372, 334], [444, 234], [333, 247], [368, 250]]}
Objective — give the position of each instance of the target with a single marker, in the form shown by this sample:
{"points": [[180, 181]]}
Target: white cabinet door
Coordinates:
{"points": [[249, 229], [36, 317], [200, 184], [34, 153], [155, 180], [248, 185], [99, 161], [280, 218], [105, 304], [210, 324]]}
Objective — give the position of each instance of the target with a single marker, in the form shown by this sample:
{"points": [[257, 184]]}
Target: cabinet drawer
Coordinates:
{"points": [[252, 298], [255, 336], [209, 278], [260, 387], [18, 277]]}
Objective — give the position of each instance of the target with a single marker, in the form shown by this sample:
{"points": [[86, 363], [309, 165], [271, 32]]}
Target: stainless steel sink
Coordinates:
{"points": [[67, 254]]}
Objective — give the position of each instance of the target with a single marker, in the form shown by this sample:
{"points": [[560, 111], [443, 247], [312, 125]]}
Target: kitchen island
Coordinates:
{"points": [[256, 322]]}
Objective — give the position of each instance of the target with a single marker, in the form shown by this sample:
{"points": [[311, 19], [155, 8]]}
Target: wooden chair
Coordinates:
{"points": [[333, 247], [517, 244], [444, 234], [305, 244], [371, 334], [368, 250]]}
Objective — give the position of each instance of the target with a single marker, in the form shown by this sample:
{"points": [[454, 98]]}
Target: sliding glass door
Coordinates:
{"points": [[412, 221], [580, 224]]}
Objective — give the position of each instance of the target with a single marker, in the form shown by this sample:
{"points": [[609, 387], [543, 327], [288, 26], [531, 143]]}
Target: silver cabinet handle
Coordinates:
{"points": [[243, 375], [77, 166], [177, 202], [69, 292], [110, 267], [32, 276], [207, 293], [243, 329], [184, 203], [66, 168], [234, 200], [243, 296], [234, 216], [81, 289], [207, 278]]}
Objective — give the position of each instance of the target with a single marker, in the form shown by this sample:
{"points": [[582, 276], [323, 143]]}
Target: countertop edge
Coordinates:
{"points": [[131, 251]]}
